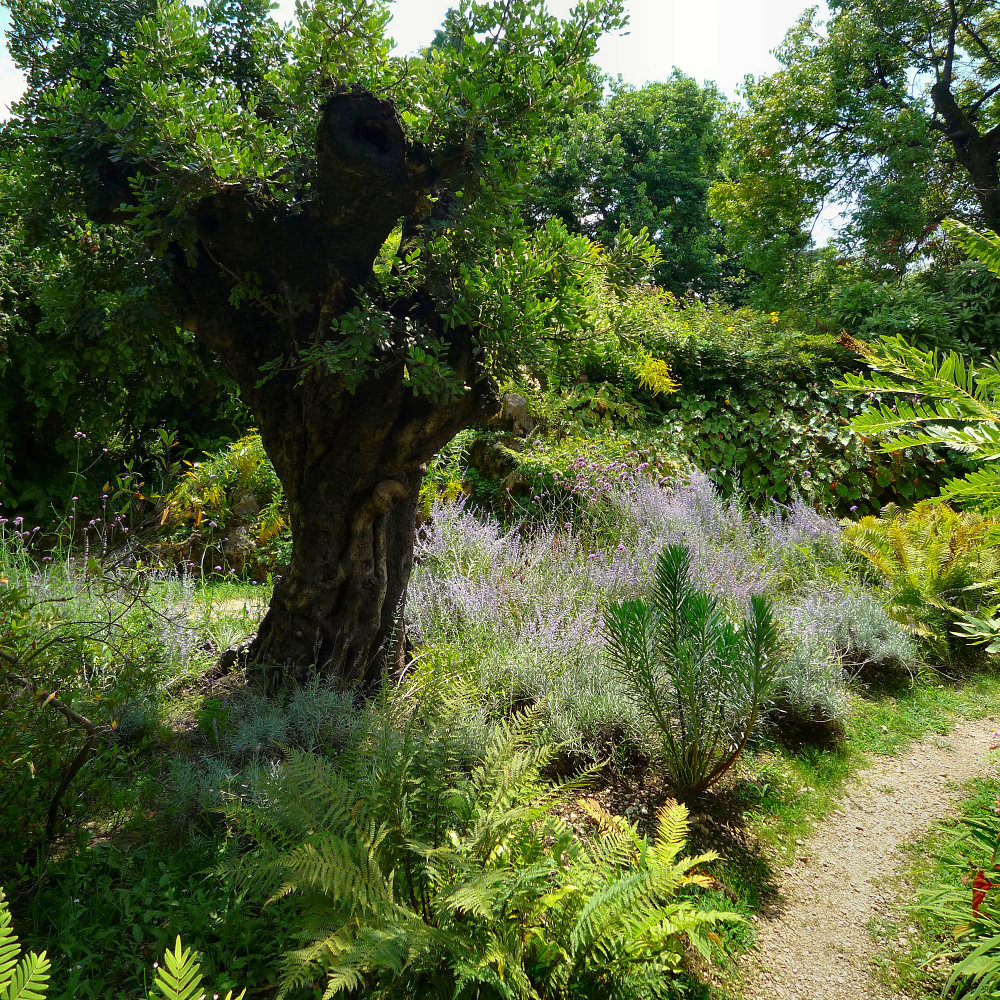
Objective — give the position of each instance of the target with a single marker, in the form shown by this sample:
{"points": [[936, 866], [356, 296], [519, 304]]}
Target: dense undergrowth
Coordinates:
{"points": [[604, 618], [157, 814]]}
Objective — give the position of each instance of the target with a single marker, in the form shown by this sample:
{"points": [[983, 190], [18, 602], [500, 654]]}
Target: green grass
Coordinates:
{"points": [[920, 967]]}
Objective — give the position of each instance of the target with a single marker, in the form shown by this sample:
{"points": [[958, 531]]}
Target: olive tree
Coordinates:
{"points": [[343, 228]]}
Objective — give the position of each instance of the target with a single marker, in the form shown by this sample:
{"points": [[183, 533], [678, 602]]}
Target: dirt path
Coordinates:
{"points": [[814, 945]]}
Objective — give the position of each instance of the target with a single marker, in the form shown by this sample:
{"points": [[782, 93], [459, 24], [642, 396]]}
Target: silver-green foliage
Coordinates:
{"points": [[701, 677], [27, 977], [408, 874]]}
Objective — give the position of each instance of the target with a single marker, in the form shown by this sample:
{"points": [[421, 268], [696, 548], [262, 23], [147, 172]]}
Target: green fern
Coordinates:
{"points": [[21, 978], [984, 247], [179, 977], [938, 566], [27, 978], [938, 399], [414, 872]]}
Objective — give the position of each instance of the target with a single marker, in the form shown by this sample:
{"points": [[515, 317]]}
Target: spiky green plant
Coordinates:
{"points": [[27, 977], [21, 977], [984, 247], [938, 566], [938, 399], [701, 677], [408, 874]]}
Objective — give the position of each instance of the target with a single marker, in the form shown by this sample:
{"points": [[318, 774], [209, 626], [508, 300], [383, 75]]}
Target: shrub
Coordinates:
{"points": [[701, 678], [410, 876], [854, 626], [520, 608], [228, 512], [81, 657], [808, 704], [937, 565], [757, 409]]}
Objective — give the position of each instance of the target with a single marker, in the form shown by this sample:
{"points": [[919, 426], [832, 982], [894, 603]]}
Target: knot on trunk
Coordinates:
{"points": [[362, 131], [388, 493]]}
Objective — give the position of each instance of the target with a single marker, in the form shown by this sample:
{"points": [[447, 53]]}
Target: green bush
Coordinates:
{"points": [[937, 565], [409, 874], [701, 678], [758, 411], [81, 654], [228, 513]]}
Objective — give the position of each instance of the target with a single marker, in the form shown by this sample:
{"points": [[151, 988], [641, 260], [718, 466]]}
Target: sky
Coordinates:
{"points": [[720, 40]]}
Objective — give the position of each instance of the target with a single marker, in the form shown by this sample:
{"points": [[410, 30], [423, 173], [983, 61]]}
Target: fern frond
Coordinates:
{"points": [[26, 979], [979, 488], [30, 980], [984, 247], [9, 948], [179, 977]]}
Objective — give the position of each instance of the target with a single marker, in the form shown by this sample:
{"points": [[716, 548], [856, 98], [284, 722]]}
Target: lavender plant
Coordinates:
{"points": [[521, 607], [854, 627], [701, 677]]}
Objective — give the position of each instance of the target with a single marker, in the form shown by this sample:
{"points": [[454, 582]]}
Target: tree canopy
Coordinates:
{"points": [[342, 227], [644, 159], [890, 111]]}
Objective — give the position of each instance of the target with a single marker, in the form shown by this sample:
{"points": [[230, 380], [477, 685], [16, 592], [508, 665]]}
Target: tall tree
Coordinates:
{"points": [[644, 158], [341, 227], [892, 112]]}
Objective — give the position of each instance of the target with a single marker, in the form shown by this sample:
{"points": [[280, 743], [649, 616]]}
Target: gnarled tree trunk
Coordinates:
{"points": [[350, 461], [352, 473]]}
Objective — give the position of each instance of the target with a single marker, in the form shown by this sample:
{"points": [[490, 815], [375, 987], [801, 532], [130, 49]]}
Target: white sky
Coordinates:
{"points": [[720, 40]]}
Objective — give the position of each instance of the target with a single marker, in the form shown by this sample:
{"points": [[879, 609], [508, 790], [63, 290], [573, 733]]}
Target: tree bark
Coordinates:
{"points": [[976, 151], [350, 462], [352, 470]]}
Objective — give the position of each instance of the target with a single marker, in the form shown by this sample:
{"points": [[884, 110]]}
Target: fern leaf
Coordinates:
{"points": [[179, 977], [984, 247], [980, 488], [9, 949], [30, 980]]}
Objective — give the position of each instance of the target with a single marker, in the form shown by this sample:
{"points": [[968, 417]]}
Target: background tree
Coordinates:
{"points": [[892, 111], [341, 227], [644, 158]]}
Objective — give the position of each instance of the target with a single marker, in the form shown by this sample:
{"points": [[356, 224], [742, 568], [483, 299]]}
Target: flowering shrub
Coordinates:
{"points": [[521, 607]]}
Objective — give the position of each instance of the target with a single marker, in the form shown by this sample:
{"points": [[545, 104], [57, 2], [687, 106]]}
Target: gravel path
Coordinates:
{"points": [[814, 944]]}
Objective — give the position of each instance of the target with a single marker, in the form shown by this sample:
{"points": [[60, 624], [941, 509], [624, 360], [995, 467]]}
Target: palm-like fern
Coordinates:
{"points": [[984, 247], [939, 566], [701, 677], [938, 399], [411, 874]]}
